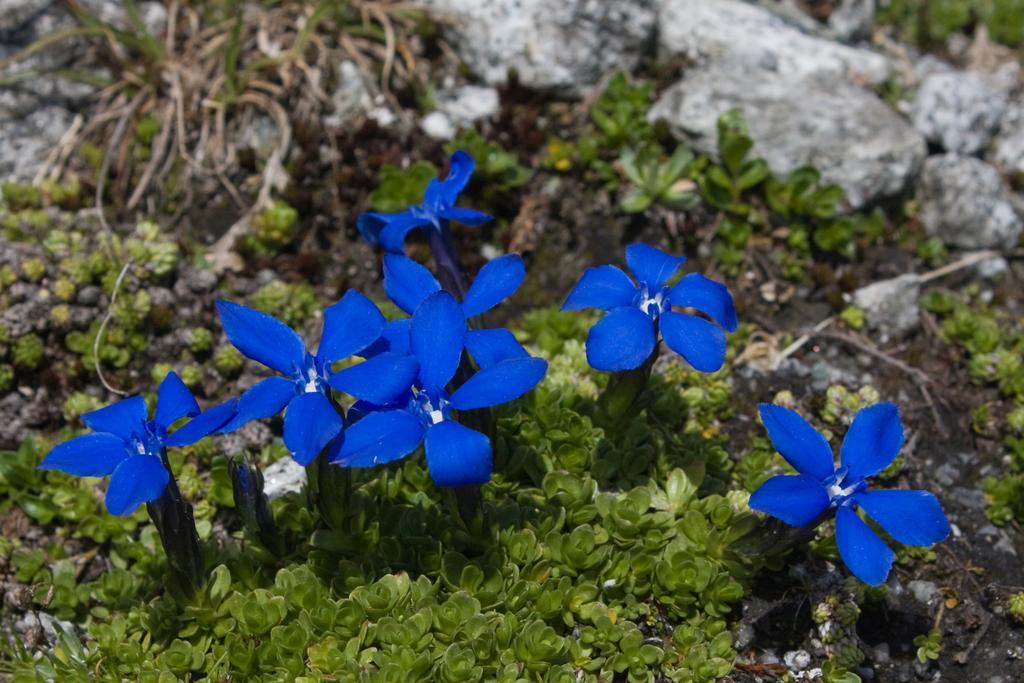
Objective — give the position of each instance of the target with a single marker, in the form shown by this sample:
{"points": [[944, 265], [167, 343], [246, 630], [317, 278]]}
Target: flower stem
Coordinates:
{"points": [[624, 398], [772, 537], [252, 504], [330, 488], [173, 519], [446, 259]]}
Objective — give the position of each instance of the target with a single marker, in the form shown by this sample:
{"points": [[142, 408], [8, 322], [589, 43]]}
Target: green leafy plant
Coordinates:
{"points": [[657, 181]]}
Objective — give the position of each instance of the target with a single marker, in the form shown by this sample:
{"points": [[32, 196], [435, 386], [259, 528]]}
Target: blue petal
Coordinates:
{"points": [[392, 237], [491, 346], [604, 287], [350, 326], [394, 339], [208, 422], [798, 442], [370, 225], [309, 424], [500, 383], [911, 517], [123, 418], [650, 265], [460, 170], [707, 296], [437, 336], [796, 499], [700, 342], [495, 282], [874, 440], [470, 217], [407, 283], [262, 337], [266, 398], [622, 340], [137, 480], [378, 438], [90, 455], [866, 555], [174, 401], [379, 380], [457, 455]]}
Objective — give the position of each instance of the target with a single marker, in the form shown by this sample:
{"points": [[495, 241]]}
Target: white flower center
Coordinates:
{"points": [[312, 382]]}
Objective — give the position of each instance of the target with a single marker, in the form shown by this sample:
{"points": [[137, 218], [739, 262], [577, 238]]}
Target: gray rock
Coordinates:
{"points": [[958, 110], [847, 133], [890, 306], [565, 46], [852, 19], [283, 477], [964, 203], [27, 140], [758, 39], [1008, 147]]}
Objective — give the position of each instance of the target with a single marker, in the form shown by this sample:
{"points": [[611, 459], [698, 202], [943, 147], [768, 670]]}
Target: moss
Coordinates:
{"points": [[33, 269], [18, 196], [27, 352], [272, 229], [228, 361], [290, 303], [200, 340], [192, 376], [6, 377], [154, 254], [79, 403], [60, 314], [64, 289]]}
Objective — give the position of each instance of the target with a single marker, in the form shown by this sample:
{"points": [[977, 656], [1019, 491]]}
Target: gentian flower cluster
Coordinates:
{"points": [[872, 442], [640, 308], [388, 230], [302, 389], [129, 447], [456, 454]]}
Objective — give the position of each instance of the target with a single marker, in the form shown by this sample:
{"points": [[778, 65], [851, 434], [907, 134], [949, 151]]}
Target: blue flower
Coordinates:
{"points": [[873, 441], [438, 207], [408, 283], [311, 420], [456, 455], [627, 335], [128, 446]]}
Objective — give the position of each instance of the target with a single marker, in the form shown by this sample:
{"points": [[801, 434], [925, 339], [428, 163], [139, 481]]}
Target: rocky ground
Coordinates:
{"points": [[251, 191]]}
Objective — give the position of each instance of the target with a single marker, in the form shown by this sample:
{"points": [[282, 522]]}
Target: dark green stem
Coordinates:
{"points": [[173, 519], [252, 504], [624, 398], [773, 537]]}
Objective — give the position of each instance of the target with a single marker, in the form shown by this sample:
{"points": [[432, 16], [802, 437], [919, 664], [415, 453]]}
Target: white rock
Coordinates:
{"points": [[283, 477], [964, 203], [761, 40], [797, 660], [1008, 148], [958, 110], [468, 104], [565, 46], [890, 306], [844, 131], [352, 95], [852, 19], [438, 125]]}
